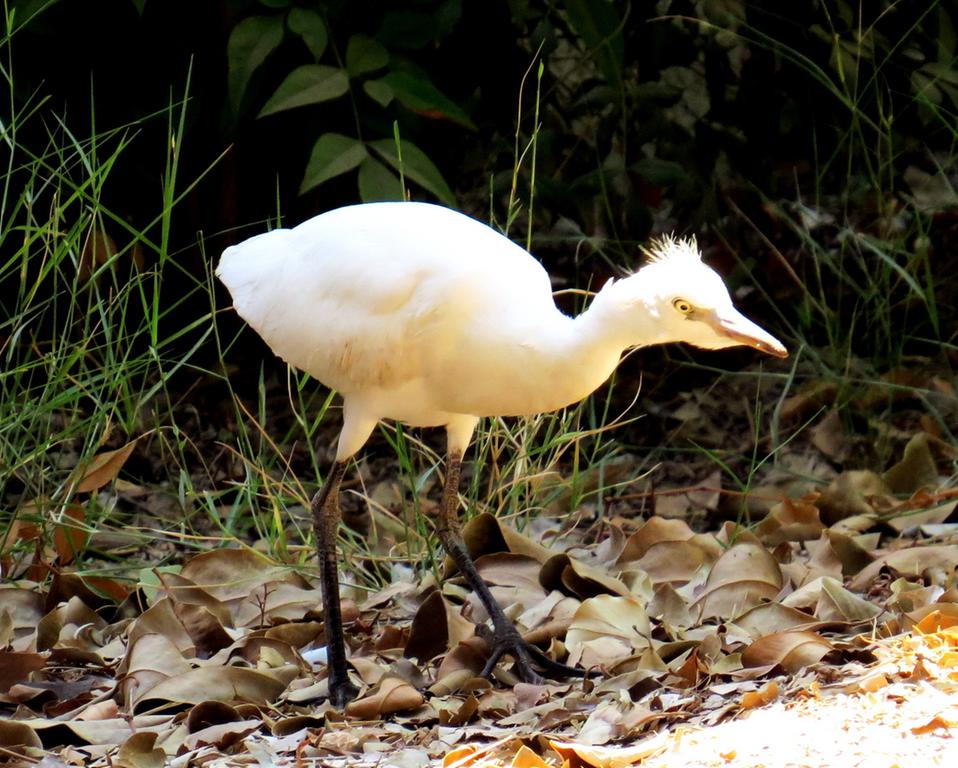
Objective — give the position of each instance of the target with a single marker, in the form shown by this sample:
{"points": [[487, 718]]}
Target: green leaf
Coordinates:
{"points": [[311, 28], [377, 182], [275, 3], [309, 84], [663, 172], [379, 92], [420, 95], [333, 154], [599, 26], [414, 30], [251, 41], [416, 166], [363, 54]]}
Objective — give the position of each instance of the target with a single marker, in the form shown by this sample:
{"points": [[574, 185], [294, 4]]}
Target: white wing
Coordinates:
{"points": [[362, 296]]}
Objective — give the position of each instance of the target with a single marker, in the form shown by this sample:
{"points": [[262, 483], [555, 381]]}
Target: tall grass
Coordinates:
{"points": [[96, 312], [867, 288]]}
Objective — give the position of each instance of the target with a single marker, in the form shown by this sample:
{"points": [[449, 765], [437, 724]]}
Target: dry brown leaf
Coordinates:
{"points": [[69, 535], [102, 710], [942, 721], [151, 659], [939, 559], [847, 551], [469, 655], [506, 569], [839, 604], [916, 469], [24, 607], [614, 720], [436, 627], [745, 562], [113, 731], [139, 751], [944, 617], [392, 695], [223, 735], [767, 693], [526, 758], [916, 517], [771, 617], [610, 757], [676, 562], [495, 704], [62, 625], [161, 619], [743, 577], [791, 520], [849, 494], [15, 736], [460, 757], [228, 684], [485, 534], [831, 602], [451, 682], [791, 650], [607, 629], [17, 667], [828, 435], [461, 714], [567, 574], [101, 469], [232, 574], [670, 607], [95, 591], [654, 531]]}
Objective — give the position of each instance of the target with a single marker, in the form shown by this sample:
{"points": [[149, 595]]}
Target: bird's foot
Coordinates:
{"points": [[527, 658], [341, 690]]}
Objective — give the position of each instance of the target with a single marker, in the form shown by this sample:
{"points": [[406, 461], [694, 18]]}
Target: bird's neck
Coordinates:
{"points": [[586, 350], [609, 326]]}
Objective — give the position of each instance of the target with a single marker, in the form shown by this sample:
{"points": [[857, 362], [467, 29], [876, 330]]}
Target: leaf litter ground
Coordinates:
{"points": [[825, 634]]}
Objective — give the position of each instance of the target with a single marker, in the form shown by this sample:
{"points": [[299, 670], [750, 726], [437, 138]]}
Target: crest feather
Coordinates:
{"points": [[669, 247]]}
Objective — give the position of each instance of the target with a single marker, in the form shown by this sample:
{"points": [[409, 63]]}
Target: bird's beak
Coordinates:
{"points": [[740, 330]]}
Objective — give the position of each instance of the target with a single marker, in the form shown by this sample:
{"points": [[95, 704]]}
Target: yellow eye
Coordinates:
{"points": [[682, 306]]}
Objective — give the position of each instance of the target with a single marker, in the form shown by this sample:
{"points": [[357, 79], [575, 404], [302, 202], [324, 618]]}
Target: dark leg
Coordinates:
{"points": [[506, 638], [326, 516]]}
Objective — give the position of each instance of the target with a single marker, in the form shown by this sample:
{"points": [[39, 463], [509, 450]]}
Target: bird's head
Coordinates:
{"points": [[676, 297]]}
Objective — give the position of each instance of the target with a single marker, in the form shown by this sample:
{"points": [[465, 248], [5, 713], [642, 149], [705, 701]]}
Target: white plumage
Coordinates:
{"points": [[418, 313]]}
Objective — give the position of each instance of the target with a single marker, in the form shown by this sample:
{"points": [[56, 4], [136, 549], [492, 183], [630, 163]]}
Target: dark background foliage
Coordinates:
{"points": [[645, 107], [810, 143]]}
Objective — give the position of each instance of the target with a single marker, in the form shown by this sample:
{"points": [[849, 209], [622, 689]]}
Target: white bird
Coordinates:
{"points": [[421, 314]]}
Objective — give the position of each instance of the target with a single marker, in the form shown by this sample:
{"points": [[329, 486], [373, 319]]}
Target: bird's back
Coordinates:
{"points": [[361, 296]]}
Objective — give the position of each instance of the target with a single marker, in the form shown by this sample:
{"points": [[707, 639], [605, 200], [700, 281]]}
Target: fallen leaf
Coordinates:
{"points": [[606, 629], [16, 667], [392, 695], [915, 470], [791, 650], [764, 695], [913, 561], [228, 684], [101, 469], [849, 494], [138, 751], [790, 520], [567, 574], [610, 757]]}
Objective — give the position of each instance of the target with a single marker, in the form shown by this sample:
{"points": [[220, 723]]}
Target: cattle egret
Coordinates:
{"points": [[423, 315]]}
